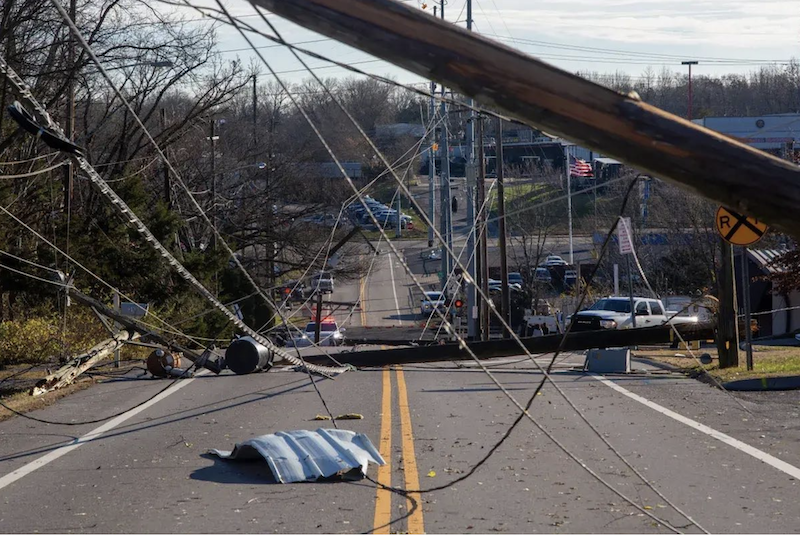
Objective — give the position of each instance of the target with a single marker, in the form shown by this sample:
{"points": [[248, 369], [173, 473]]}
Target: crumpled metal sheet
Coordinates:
{"points": [[309, 455]]}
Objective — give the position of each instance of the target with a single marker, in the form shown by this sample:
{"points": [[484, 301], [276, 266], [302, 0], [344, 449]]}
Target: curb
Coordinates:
{"points": [[764, 384]]}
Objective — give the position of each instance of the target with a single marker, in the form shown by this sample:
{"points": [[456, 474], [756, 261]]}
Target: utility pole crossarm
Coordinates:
{"points": [[541, 95]]}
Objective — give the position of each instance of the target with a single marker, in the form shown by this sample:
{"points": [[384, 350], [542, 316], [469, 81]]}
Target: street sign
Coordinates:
{"points": [[739, 229], [134, 310], [625, 236]]}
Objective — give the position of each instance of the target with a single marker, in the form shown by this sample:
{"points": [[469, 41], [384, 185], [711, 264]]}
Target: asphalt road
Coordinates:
{"points": [[728, 461]]}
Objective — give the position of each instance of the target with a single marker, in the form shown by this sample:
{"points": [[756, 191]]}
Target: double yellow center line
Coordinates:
{"points": [[383, 499]]}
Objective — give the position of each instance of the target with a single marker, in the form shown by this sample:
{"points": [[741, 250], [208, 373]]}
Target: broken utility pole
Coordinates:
{"points": [[131, 324], [71, 370], [541, 95], [536, 345]]}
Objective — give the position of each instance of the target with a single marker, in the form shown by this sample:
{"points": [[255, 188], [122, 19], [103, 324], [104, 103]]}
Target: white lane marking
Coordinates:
{"points": [[32, 466], [394, 291], [722, 437]]}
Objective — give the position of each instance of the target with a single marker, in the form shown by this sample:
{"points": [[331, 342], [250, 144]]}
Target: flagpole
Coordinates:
{"points": [[569, 201]]}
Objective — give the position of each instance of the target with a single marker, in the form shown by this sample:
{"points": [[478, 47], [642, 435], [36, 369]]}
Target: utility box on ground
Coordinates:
{"points": [[608, 360]]}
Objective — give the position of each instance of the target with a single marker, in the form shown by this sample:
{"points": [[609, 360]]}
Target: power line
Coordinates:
{"points": [[143, 230], [402, 185]]}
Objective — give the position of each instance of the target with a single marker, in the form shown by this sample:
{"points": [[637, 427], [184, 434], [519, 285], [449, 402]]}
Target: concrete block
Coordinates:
{"points": [[608, 360]]}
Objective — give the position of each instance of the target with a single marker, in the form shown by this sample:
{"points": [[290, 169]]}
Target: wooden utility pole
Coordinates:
{"points": [[318, 319], [745, 291], [132, 325], [727, 330], [541, 95], [167, 186], [481, 230], [213, 139], [75, 367], [69, 130], [505, 298]]}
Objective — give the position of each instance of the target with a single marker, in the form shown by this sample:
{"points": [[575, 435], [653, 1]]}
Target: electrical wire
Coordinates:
{"points": [[40, 266], [96, 420], [403, 263], [142, 228], [33, 173]]}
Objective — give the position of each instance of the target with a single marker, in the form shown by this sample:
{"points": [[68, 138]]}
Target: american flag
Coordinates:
{"points": [[580, 168]]}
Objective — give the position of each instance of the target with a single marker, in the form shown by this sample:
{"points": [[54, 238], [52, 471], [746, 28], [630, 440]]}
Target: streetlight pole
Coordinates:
{"points": [[690, 63]]}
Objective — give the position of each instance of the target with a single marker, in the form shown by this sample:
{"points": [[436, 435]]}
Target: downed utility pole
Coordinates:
{"points": [[543, 96], [506, 348], [132, 325], [67, 373]]}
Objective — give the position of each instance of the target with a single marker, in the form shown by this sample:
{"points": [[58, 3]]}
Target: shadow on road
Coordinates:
{"points": [[247, 472], [402, 317]]}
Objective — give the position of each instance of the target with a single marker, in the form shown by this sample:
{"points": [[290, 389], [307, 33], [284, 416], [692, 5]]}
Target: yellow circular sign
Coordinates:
{"points": [[739, 229]]}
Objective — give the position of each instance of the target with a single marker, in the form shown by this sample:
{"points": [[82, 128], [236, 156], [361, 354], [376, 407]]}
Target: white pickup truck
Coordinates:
{"points": [[615, 313]]}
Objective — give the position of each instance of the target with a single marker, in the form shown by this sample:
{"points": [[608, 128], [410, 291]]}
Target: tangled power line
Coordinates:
{"points": [[358, 195]]}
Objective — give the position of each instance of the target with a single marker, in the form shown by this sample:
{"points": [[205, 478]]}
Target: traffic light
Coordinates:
{"points": [[459, 303]]}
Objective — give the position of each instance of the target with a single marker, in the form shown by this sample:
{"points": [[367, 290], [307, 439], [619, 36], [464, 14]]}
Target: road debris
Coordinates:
{"points": [[348, 416], [302, 455]]}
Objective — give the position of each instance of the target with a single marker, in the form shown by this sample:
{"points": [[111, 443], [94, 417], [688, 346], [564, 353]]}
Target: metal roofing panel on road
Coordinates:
{"points": [[308, 455]]}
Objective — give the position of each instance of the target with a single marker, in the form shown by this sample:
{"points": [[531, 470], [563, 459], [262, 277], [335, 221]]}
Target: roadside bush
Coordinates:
{"points": [[28, 341], [37, 339]]}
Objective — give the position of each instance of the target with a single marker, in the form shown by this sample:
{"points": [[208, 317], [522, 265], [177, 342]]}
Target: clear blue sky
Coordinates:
{"points": [[599, 35]]}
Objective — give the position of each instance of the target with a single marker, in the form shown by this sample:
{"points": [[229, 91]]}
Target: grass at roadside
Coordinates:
{"points": [[15, 393], [767, 362]]}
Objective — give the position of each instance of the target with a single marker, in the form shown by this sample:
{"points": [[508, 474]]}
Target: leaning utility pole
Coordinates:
{"points": [[505, 298], [620, 125], [470, 171]]}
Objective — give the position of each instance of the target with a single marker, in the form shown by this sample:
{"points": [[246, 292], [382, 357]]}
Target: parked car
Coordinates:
{"points": [[570, 277], [554, 260], [514, 286], [515, 277], [542, 274], [329, 334]]}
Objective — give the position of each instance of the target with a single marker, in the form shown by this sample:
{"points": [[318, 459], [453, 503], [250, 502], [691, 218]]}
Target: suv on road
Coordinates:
{"points": [[323, 282]]}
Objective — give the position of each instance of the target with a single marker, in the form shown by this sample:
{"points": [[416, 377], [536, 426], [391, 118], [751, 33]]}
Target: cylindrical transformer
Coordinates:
{"points": [[245, 355], [160, 363]]}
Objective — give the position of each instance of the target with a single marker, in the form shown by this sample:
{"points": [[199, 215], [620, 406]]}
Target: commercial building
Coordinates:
{"points": [[776, 134]]}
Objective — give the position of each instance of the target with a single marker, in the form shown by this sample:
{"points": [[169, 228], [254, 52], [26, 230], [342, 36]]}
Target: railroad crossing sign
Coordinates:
{"points": [[739, 229]]}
